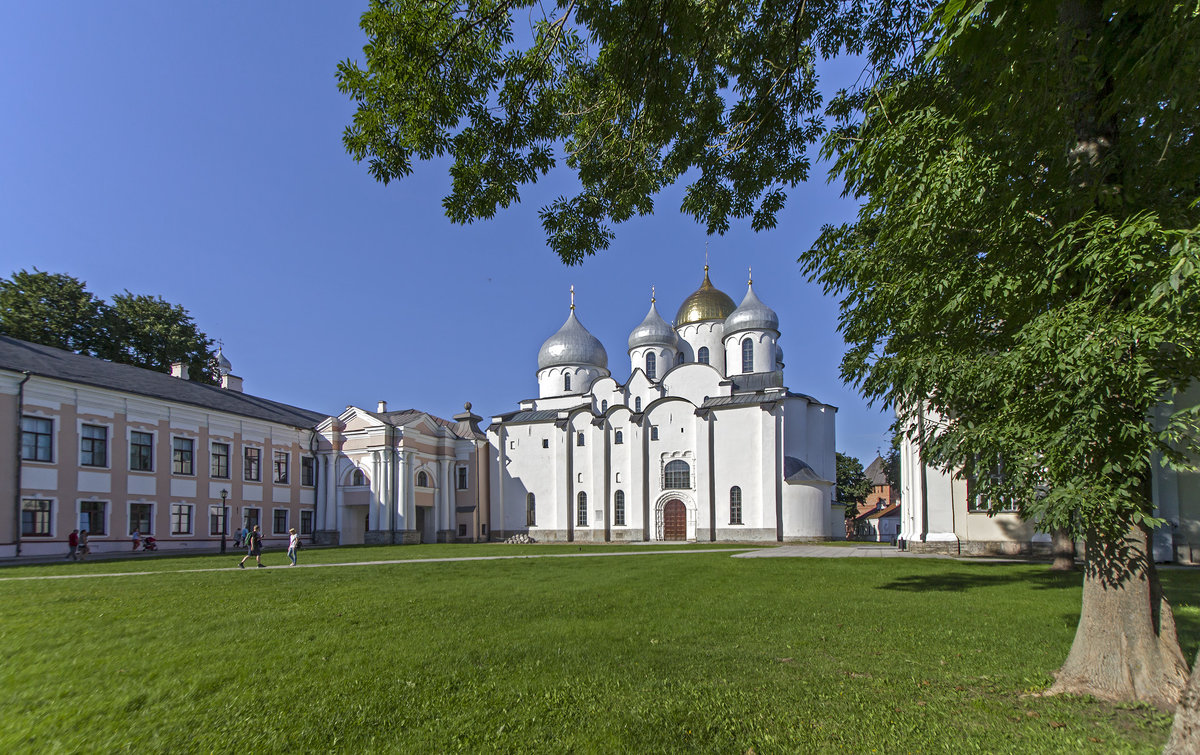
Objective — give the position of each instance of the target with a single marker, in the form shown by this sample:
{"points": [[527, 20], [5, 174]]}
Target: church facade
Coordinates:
{"points": [[702, 442]]}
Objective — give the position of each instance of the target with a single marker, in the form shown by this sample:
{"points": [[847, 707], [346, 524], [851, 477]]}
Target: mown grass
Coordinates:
{"points": [[643, 653]]}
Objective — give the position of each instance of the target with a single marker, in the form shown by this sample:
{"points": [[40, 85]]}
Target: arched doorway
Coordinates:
{"points": [[674, 520]]}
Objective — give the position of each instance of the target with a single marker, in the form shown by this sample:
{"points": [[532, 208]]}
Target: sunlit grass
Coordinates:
{"points": [[644, 653]]}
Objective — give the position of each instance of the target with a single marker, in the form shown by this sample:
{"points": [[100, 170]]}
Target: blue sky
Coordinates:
{"points": [[193, 151]]}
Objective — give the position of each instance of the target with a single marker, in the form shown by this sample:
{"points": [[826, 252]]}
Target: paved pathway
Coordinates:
{"points": [[253, 567], [817, 550]]}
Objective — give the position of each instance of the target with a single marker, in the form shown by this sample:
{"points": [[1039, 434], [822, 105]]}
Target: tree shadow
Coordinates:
{"points": [[955, 581]]}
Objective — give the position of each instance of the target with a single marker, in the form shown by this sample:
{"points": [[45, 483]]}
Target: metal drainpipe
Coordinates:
{"points": [[924, 475], [17, 454], [393, 473]]}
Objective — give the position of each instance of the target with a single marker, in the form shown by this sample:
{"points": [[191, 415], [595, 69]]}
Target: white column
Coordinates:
{"points": [[447, 506], [376, 492], [402, 491], [410, 503]]}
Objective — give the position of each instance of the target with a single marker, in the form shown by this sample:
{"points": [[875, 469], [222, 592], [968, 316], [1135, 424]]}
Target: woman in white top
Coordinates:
{"points": [[293, 544]]}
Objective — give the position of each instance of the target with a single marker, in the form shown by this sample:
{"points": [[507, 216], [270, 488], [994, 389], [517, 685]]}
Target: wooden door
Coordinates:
{"points": [[674, 520]]}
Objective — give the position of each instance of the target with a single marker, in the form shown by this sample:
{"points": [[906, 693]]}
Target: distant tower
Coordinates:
{"points": [[570, 360], [653, 345]]}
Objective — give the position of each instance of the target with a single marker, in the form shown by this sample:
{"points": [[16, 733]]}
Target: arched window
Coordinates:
{"points": [[735, 505], [566, 382], [747, 356], [358, 478], [422, 479], [651, 365], [702, 355], [581, 509], [619, 508], [637, 404], [530, 511], [679, 358], [579, 439], [654, 432], [677, 475], [618, 438], [604, 405]]}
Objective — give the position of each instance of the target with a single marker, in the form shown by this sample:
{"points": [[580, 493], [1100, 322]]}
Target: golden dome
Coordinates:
{"points": [[706, 303]]}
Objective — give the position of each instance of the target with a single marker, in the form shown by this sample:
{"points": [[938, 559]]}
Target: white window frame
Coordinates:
{"points": [[248, 447], [107, 516], [52, 518], [153, 519], [229, 457], [191, 532], [52, 434], [175, 437], [287, 519], [218, 509], [129, 431], [108, 436]]}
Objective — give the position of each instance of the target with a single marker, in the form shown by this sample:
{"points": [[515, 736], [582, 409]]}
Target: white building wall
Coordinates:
{"points": [[708, 333]]}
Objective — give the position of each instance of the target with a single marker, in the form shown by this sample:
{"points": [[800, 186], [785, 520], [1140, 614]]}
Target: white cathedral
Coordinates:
{"points": [[702, 442]]}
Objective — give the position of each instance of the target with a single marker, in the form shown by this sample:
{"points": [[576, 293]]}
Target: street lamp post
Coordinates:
{"points": [[224, 518]]}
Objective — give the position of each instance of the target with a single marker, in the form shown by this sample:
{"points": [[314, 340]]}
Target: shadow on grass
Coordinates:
{"points": [[1182, 588], [961, 581]]}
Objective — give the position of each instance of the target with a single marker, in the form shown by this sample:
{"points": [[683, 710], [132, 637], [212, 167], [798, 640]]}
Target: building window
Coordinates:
{"points": [[422, 479], [545, 442], [216, 520], [219, 463], [141, 451], [679, 359], [181, 519], [462, 478], [358, 478], [566, 382], [654, 432], [141, 518], [735, 505], [604, 405], [637, 404], [252, 517], [308, 471], [618, 438], [581, 509], [279, 521], [281, 467], [977, 504], [462, 530], [35, 439], [252, 464], [92, 517], [530, 510], [579, 439], [35, 517], [93, 446], [747, 356], [702, 355], [619, 508], [182, 456], [677, 475], [651, 365], [306, 522]]}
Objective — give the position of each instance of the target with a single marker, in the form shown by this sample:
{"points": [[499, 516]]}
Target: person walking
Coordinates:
{"points": [[81, 554], [253, 548], [293, 544], [73, 545], [136, 536]]}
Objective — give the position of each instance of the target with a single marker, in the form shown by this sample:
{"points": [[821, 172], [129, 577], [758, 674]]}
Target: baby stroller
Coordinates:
{"points": [[149, 544]]}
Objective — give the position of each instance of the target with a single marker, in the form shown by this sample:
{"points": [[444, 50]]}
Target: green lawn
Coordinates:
{"points": [[644, 653]]}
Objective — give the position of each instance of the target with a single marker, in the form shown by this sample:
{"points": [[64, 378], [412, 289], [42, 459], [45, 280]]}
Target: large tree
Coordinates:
{"points": [[1024, 265], [852, 484], [57, 310], [51, 309], [1023, 268]]}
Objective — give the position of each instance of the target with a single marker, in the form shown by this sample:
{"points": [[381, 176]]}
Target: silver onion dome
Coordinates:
{"points": [[572, 345], [654, 331], [224, 366], [751, 314], [778, 355]]}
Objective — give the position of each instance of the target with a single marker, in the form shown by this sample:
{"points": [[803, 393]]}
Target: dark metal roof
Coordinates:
{"points": [[798, 470], [742, 398], [49, 362], [875, 473], [757, 381], [542, 415]]}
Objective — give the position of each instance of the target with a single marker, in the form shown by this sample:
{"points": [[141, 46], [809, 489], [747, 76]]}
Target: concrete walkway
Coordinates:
{"points": [[816, 550], [251, 566]]}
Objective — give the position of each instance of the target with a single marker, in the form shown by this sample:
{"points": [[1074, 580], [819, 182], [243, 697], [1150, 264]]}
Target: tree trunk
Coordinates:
{"points": [[1063, 546], [1185, 734], [1125, 647]]}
